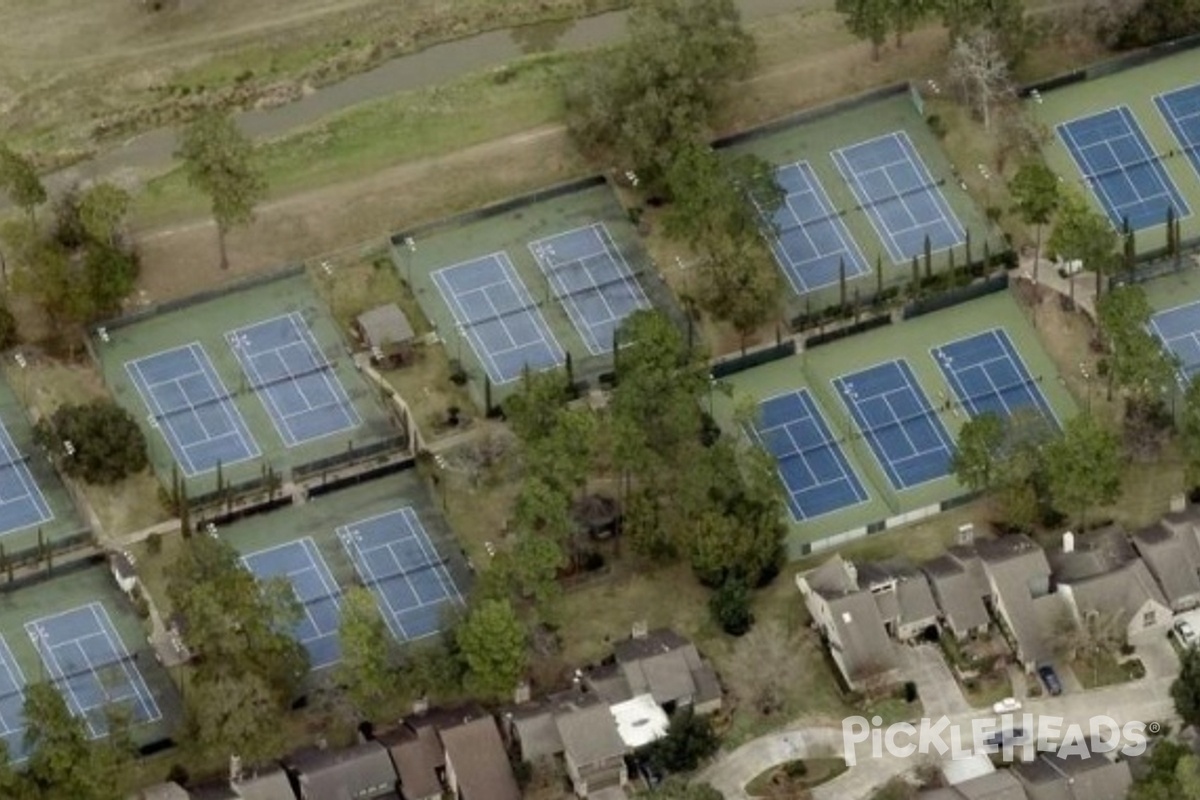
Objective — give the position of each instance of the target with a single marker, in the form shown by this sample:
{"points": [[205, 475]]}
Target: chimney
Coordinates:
{"points": [[1178, 502], [1068, 542], [522, 694], [851, 571], [640, 630], [235, 769], [966, 533]]}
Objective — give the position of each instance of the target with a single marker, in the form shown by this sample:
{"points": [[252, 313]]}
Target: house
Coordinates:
{"points": [[1018, 577], [386, 331], [959, 596], [477, 766], [418, 759], [849, 620], [640, 721], [668, 667], [1093, 776], [270, 784], [1102, 575], [593, 749], [532, 727], [361, 772], [1171, 550], [162, 791], [903, 595], [1000, 784]]}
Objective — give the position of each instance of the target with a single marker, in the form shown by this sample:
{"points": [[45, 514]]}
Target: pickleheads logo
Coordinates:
{"points": [[1011, 735]]}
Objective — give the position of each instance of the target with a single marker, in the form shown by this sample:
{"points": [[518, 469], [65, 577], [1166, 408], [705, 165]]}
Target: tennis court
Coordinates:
{"points": [[393, 555], [591, 278], [894, 186], [812, 244], [814, 470], [297, 386], [22, 504], [988, 375], [1178, 329], [192, 409], [1122, 169], [88, 663], [12, 703], [493, 309], [300, 563], [1181, 109], [899, 424]]}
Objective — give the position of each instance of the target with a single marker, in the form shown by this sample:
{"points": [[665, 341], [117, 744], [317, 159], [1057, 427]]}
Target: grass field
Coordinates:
{"points": [[114, 66], [910, 340], [1136, 89]]}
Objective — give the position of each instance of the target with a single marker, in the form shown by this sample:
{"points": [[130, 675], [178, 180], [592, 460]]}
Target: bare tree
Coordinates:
{"points": [[765, 659], [980, 69]]}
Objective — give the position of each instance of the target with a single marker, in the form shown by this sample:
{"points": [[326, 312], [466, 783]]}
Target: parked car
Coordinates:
{"points": [[1185, 632], [1007, 738], [1007, 706], [1050, 679]]}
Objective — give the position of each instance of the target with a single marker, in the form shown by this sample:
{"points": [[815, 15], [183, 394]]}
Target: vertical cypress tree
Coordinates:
{"points": [[928, 258], [878, 276], [842, 281], [916, 276], [967, 247]]}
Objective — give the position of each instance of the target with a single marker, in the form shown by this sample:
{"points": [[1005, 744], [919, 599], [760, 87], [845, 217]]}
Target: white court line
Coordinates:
{"points": [[15, 677]]}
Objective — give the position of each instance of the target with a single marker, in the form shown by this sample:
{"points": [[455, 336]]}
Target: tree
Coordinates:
{"points": [[102, 210], [979, 444], [233, 621], [690, 739], [1082, 234], [236, 713], [1036, 197], [105, 443], [741, 283], [1083, 467], [978, 66], [1090, 637], [1189, 433], [109, 275], [905, 14], [218, 160], [765, 659], [640, 105], [730, 606], [492, 643], [1137, 363], [1167, 762], [714, 198], [1185, 690], [869, 20], [20, 181], [57, 743], [368, 669], [49, 279]]}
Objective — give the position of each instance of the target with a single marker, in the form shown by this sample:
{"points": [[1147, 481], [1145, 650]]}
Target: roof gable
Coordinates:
{"points": [[475, 752]]}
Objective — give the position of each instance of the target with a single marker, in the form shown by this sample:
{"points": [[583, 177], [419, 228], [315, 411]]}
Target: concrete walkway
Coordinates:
{"points": [[939, 691]]}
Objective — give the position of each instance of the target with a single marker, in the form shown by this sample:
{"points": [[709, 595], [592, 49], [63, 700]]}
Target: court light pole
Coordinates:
{"points": [[411, 246]]}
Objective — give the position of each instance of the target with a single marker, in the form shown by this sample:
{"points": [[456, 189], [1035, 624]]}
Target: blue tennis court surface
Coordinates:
{"points": [[302, 565], [192, 408], [812, 242], [1122, 169], [296, 384], [1181, 109], [898, 423], [902, 200], [501, 321], [988, 375], [590, 277], [1179, 330], [87, 662], [812, 466], [22, 503], [12, 703], [393, 555]]}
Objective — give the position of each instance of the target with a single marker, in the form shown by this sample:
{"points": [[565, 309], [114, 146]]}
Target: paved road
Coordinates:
{"points": [[152, 153], [1145, 700]]}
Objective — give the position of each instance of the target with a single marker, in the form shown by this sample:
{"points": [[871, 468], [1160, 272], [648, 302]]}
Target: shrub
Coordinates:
{"points": [[98, 441], [730, 607], [154, 544]]}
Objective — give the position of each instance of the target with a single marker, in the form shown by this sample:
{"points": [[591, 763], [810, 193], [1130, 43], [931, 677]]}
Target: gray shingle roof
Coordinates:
{"points": [[480, 763], [348, 773], [590, 735], [958, 594], [1020, 573], [1173, 556], [1119, 594], [865, 649]]}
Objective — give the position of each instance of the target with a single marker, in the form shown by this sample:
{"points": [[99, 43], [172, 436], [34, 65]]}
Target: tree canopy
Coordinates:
{"points": [[368, 669], [98, 441], [218, 160], [492, 642], [1083, 467], [19, 180], [1137, 363], [1083, 234], [641, 104]]}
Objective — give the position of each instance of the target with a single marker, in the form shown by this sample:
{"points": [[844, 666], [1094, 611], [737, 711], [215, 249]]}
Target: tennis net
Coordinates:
{"points": [[1124, 168], [920, 189], [999, 391], [527, 308], [381, 570]]}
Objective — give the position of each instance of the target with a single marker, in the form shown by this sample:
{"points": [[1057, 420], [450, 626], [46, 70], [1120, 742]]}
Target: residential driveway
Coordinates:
{"points": [[1157, 654], [730, 773], [940, 693]]}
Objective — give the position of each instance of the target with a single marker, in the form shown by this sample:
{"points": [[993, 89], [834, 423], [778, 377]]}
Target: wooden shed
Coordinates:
{"points": [[387, 333]]}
